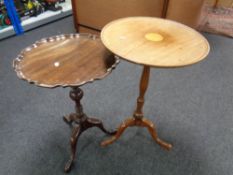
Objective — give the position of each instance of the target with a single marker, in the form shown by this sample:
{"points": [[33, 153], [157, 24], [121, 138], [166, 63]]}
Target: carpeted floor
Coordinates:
{"points": [[192, 108]]}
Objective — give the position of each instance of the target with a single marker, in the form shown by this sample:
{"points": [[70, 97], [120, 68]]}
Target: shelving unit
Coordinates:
{"points": [[41, 19]]}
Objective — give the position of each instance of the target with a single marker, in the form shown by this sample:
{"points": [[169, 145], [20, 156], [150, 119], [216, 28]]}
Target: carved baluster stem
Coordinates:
{"points": [[76, 95]]}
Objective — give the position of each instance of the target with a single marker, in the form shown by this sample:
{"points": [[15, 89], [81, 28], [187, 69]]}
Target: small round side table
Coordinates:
{"points": [[68, 60], [152, 42]]}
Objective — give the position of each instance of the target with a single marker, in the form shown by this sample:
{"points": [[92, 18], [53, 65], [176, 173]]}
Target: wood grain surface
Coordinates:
{"points": [[65, 60], [154, 42]]}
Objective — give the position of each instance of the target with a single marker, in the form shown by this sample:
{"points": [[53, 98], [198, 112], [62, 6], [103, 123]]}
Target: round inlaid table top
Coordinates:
{"points": [[154, 42], [65, 60]]}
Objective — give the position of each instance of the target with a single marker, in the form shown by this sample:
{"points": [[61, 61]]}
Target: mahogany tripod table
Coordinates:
{"points": [[68, 61], [152, 42]]}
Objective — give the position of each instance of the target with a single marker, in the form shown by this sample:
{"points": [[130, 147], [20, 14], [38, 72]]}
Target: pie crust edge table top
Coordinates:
{"points": [[65, 60], [154, 42]]}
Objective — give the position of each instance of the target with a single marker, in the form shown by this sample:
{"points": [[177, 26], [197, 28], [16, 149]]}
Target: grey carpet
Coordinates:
{"points": [[192, 108]]}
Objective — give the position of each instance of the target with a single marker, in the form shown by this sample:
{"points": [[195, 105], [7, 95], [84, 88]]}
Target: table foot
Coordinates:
{"points": [[68, 165], [69, 118], [121, 129], [76, 132], [152, 130], [98, 123], [141, 123]]}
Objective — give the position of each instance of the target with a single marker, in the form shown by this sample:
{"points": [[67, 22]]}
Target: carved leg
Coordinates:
{"points": [[121, 129], [81, 126], [69, 118], [93, 122], [80, 123], [73, 142], [151, 128]]}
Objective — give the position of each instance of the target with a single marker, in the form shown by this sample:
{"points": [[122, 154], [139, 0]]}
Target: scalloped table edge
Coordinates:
{"points": [[19, 58]]}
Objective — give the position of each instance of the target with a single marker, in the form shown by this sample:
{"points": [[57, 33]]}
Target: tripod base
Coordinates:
{"points": [[80, 123], [78, 128], [141, 123]]}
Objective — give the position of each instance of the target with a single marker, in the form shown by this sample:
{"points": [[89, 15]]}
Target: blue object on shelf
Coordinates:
{"points": [[13, 15]]}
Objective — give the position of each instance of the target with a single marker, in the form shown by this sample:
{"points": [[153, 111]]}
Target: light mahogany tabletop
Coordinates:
{"points": [[151, 42], [65, 60], [154, 42]]}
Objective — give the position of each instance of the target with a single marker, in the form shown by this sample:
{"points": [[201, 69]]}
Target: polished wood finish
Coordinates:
{"points": [[152, 42], [138, 117], [80, 122], [138, 114], [68, 61], [65, 60], [141, 123], [171, 44]]}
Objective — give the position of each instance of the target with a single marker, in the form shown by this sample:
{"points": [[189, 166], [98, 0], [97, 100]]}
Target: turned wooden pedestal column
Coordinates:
{"points": [[152, 42], [138, 117], [70, 60], [80, 123]]}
